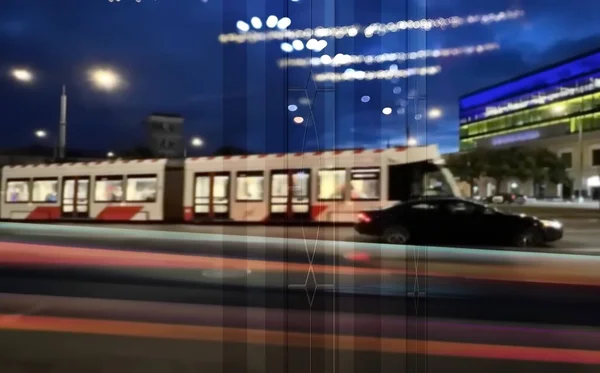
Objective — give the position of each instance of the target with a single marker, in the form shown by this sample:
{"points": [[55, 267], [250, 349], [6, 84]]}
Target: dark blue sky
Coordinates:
{"points": [[169, 55]]}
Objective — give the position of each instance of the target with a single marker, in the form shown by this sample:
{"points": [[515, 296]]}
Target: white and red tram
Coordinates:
{"points": [[319, 186]]}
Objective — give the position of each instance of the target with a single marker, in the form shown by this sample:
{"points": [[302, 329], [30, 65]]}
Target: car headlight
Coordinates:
{"points": [[551, 224]]}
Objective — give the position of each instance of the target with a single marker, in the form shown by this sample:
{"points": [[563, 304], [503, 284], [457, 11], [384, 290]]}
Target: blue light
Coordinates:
{"points": [[365, 99], [516, 137], [529, 83], [292, 108]]}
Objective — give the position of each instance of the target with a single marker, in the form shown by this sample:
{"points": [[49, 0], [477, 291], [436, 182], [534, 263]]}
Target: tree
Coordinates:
{"points": [[548, 168], [468, 166], [499, 165]]}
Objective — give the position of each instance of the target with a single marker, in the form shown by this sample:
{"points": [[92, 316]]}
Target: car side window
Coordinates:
{"points": [[461, 208], [424, 206]]}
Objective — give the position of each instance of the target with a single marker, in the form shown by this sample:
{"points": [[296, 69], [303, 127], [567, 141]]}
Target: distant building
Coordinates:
{"points": [[557, 107], [165, 135]]}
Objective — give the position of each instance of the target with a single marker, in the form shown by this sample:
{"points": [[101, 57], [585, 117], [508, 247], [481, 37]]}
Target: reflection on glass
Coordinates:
{"points": [[108, 190], [364, 184], [250, 188], [17, 191], [142, 188], [44, 191], [332, 184]]}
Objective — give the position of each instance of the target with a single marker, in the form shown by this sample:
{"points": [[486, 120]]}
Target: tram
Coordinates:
{"points": [[329, 186]]}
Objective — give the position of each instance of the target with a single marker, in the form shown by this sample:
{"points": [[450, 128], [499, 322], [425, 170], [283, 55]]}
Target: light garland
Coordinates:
{"points": [[346, 59], [375, 75], [369, 31]]}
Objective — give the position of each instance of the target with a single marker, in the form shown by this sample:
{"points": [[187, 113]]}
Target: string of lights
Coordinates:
{"points": [[346, 59], [350, 74], [370, 30]]}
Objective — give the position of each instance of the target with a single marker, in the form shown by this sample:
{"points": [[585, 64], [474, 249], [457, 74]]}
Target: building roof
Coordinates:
{"points": [[551, 74]]}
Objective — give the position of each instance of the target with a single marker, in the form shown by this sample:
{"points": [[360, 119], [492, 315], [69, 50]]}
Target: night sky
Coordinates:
{"points": [[169, 55]]}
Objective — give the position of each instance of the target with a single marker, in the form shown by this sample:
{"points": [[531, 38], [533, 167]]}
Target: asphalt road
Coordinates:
{"points": [[134, 307], [581, 235]]}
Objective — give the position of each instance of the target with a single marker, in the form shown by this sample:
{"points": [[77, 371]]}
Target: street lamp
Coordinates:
{"points": [[41, 134], [110, 154], [102, 78], [412, 141], [105, 79], [435, 113], [195, 142], [22, 75]]}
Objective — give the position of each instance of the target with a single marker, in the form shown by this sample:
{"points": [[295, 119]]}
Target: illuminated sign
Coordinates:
{"points": [[553, 75], [516, 137], [541, 99]]}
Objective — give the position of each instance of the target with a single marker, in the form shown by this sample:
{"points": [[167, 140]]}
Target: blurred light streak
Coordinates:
{"points": [[346, 59], [351, 74], [27, 254], [561, 272], [378, 29], [295, 339]]}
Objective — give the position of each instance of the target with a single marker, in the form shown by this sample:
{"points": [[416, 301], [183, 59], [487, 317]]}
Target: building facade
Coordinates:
{"points": [[557, 107], [165, 135]]}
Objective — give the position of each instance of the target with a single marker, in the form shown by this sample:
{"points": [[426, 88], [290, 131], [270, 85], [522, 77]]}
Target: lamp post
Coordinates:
{"points": [[43, 134], [195, 142], [101, 78]]}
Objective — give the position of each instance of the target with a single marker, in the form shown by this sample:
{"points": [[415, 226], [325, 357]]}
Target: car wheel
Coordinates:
{"points": [[396, 236], [531, 237]]}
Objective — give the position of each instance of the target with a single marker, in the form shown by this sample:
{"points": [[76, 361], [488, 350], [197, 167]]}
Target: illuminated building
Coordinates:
{"points": [[557, 107]]}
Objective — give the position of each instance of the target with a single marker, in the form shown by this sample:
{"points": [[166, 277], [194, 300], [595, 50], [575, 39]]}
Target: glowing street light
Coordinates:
{"points": [[196, 142], [22, 75], [387, 111], [298, 120], [412, 141], [105, 79], [435, 113], [110, 154], [41, 134]]}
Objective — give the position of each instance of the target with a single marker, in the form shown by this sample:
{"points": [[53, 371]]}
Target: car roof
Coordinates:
{"points": [[438, 199]]}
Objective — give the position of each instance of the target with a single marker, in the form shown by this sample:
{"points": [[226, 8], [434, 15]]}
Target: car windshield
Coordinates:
{"points": [[434, 183]]}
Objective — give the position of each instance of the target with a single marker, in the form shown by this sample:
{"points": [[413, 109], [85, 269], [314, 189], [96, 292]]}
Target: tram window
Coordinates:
{"points": [[109, 189], [301, 180], [17, 191], [332, 184], [250, 186], [44, 191], [142, 188], [279, 185], [364, 184]]}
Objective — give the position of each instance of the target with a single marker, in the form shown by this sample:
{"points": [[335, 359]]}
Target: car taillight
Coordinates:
{"points": [[363, 218]]}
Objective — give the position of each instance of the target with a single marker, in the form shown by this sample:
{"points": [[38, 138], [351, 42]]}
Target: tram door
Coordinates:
{"points": [[211, 196], [75, 201], [290, 194]]}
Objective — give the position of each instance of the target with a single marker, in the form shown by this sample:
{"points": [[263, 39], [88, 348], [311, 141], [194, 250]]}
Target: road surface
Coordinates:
{"points": [[137, 299], [581, 235]]}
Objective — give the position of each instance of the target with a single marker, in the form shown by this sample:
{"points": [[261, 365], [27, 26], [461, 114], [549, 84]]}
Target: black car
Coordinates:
{"points": [[507, 198], [455, 221]]}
